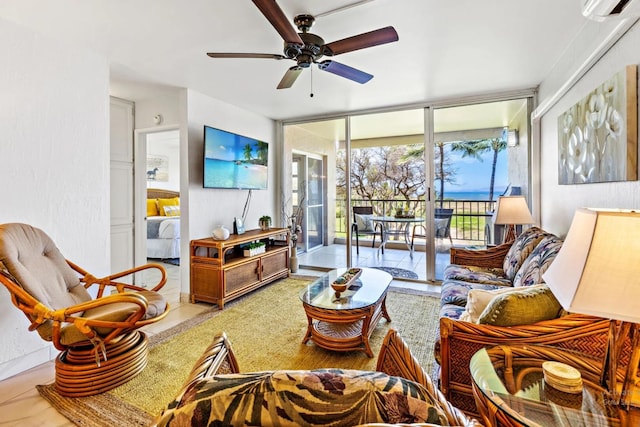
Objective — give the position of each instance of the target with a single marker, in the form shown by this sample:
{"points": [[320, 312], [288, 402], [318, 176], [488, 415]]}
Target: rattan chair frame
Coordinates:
{"points": [[395, 358], [460, 340], [113, 351], [37, 313]]}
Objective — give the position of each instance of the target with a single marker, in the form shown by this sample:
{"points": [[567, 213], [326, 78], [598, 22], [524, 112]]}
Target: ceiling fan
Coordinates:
{"points": [[307, 48]]}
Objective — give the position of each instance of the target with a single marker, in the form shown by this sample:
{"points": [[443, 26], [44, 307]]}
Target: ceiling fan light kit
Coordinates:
{"points": [[307, 48]]}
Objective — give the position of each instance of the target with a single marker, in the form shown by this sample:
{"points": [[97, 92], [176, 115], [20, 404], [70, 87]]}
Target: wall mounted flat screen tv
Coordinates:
{"points": [[234, 161]]}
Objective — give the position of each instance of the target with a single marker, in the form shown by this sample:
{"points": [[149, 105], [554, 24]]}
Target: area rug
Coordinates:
{"points": [[399, 272], [266, 329]]}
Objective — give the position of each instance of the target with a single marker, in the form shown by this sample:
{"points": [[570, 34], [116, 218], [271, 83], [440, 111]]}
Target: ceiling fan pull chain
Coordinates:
{"points": [[311, 94]]}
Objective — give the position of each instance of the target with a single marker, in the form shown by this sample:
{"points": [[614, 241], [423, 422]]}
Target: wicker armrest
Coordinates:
{"points": [[460, 340], [490, 258], [395, 359], [218, 358]]}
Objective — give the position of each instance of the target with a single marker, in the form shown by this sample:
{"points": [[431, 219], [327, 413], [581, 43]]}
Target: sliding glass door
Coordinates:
{"points": [[388, 177], [309, 188], [308, 198], [480, 152], [422, 179]]}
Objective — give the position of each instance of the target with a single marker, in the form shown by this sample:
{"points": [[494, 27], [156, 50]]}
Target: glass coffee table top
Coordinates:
{"points": [[366, 290]]}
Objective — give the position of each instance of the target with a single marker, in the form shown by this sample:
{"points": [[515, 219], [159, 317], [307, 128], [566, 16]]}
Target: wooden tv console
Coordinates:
{"points": [[220, 272]]}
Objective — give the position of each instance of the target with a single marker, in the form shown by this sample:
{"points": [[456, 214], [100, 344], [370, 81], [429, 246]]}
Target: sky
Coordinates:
{"points": [[473, 175]]}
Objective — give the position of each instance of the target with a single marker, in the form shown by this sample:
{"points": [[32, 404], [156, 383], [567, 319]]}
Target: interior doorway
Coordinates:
{"points": [[157, 167]]}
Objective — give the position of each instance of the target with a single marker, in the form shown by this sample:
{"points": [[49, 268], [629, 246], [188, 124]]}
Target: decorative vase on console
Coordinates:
{"points": [[220, 233], [294, 229]]}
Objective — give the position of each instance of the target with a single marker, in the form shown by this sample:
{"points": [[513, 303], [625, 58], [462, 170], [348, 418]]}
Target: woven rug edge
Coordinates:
{"points": [[78, 410]]}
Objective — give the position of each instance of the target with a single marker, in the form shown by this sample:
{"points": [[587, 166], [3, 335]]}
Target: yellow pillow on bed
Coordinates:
{"points": [[152, 207], [175, 201]]}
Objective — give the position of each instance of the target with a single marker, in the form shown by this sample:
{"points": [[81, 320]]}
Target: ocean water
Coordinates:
{"points": [[226, 174], [470, 195]]}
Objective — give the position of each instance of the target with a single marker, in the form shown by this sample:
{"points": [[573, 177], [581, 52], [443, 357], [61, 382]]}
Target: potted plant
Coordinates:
{"points": [[265, 222], [254, 248]]}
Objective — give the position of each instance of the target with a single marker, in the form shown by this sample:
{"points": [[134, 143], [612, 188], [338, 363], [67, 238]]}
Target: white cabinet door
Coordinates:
{"points": [[122, 185]]}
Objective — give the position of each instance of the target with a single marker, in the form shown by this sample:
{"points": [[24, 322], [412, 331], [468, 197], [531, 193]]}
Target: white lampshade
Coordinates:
{"points": [[512, 210], [597, 271]]}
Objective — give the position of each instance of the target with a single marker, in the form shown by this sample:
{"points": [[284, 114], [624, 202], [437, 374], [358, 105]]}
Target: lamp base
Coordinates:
{"points": [[509, 233], [627, 393]]}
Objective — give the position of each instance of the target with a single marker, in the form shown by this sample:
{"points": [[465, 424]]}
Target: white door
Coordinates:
{"points": [[122, 185]]}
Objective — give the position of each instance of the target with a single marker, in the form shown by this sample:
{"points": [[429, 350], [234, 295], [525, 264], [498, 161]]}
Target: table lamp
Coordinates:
{"points": [[597, 272], [511, 210]]}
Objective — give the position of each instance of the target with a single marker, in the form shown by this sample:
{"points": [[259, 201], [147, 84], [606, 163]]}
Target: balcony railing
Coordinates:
{"points": [[467, 223]]}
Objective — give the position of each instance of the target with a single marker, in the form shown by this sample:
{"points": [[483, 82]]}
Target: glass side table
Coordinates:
{"points": [[509, 389]]}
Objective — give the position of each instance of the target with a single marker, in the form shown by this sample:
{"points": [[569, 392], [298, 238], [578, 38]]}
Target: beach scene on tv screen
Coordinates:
{"points": [[234, 161]]}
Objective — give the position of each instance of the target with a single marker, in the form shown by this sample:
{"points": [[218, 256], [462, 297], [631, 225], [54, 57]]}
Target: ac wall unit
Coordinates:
{"points": [[599, 10]]}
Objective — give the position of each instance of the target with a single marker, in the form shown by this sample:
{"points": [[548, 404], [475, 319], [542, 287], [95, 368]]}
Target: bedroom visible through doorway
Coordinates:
{"points": [[162, 177]]}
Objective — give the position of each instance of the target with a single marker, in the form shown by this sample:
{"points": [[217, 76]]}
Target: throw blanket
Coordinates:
{"points": [[161, 227]]}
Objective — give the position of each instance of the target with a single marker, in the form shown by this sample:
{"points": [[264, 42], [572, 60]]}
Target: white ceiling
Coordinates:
{"points": [[445, 48]]}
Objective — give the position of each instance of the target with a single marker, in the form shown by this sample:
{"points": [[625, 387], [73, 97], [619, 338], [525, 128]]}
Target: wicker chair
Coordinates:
{"points": [[460, 340], [101, 346], [394, 359], [374, 231]]}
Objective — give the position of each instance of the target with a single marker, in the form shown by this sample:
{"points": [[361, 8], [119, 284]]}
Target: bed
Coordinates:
{"points": [[163, 224]]}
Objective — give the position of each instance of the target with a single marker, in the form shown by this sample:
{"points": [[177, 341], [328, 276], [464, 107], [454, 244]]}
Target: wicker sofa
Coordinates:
{"points": [[339, 398], [516, 264]]}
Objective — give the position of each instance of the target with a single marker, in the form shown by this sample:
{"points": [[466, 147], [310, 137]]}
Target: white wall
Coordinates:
{"points": [[209, 207], [55, 164], [518, 156], [167, 145], [167, 106], [558, 202]]}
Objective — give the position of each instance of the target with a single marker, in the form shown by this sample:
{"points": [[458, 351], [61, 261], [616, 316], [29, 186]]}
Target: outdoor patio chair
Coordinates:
{"points": [[101, 346], [363, 224], [442, 223]]}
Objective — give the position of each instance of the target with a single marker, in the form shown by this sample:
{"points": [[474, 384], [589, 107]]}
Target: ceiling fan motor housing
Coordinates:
{"points": [[308, 53]]}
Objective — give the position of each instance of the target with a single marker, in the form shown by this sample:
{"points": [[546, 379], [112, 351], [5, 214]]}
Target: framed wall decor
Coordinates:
{"points": [[598, 136], [157, 168]]}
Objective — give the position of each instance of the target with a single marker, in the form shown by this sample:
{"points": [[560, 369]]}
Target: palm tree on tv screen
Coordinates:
{"points": [[262, 151], [247, 151]]}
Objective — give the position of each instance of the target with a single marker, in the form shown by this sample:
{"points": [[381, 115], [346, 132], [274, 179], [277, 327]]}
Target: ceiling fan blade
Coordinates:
{"points": [[361, 41], [345, 71], [246, 55], [278, 19], [290, 77]]}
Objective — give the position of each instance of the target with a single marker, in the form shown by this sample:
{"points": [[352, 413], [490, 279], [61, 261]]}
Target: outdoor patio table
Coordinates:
{"points": [[394, 226]]}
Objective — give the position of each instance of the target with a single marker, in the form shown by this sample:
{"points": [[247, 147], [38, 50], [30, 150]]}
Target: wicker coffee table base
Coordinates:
{"points": [[344, 330]]}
